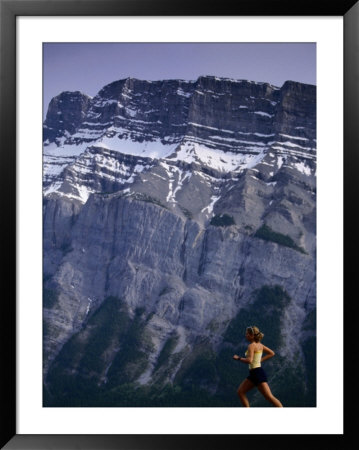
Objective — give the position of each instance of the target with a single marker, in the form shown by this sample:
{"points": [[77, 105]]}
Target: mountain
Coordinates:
{"points": [[177, 213]]}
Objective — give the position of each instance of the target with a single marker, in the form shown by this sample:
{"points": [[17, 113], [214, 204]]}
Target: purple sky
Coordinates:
{"points": [[87, 67]]}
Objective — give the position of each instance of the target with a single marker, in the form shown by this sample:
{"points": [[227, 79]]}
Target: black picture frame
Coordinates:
{"points": [[9, 10]]}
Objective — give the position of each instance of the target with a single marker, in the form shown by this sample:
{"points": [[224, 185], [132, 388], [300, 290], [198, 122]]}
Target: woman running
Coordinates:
{"points": [[257, 377]]}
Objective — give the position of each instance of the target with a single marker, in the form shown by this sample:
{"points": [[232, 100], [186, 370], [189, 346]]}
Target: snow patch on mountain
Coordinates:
{"points": [[303, 168], [209, 208], [155, 149], [193, 152]]}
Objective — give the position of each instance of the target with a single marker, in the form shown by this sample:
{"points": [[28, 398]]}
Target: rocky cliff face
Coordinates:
{"points": [[176, 214]]}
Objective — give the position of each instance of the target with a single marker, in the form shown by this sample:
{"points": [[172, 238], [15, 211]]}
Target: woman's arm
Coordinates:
{"points": [[270, 353]]}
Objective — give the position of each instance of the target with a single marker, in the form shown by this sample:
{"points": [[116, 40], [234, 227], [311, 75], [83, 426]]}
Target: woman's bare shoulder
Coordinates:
{"points": [[267, 349]]}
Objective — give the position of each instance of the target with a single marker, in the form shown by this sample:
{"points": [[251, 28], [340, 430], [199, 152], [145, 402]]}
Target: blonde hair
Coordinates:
{"points": [[254, 331]]}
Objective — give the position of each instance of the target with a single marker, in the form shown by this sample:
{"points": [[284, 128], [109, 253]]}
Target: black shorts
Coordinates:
{"points": [[257, 376]]}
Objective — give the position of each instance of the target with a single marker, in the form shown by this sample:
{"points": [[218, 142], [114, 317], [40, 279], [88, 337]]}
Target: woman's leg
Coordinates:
{"points": [[266, 392], [244, 387]]}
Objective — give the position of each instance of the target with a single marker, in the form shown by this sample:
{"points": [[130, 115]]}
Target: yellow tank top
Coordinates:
{"points": [[256, 359]]}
